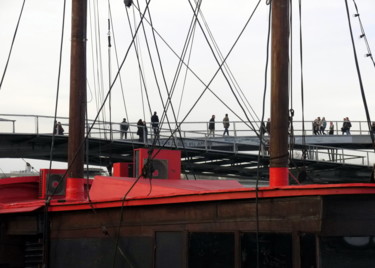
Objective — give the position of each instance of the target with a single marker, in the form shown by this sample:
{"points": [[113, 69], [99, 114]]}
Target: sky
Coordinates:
{"points": [[331, 86]]}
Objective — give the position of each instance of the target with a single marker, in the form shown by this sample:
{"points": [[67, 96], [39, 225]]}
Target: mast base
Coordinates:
{"points": [[279, 176]]}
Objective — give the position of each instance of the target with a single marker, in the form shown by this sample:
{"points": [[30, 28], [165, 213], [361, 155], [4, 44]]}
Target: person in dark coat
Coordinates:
{"points": [[140, 130], [268, 126], [155, 123], [211, 126], [59, 129]]}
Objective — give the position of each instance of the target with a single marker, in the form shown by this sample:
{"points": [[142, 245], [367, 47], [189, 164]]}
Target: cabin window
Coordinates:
{"points": [[211, 250], [275, 250], [169, 249], [347, 252]]}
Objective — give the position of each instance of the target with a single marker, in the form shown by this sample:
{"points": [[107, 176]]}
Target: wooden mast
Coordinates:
{"points": [[77, 109], [279, 93]]}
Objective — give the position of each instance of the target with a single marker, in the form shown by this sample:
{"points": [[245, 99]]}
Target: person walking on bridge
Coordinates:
{"points": [[211, 126], [331, 128], [226, 124], [323, 125], [155, 123], [124, 126]]}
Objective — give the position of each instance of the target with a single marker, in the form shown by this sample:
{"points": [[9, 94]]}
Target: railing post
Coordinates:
{"points": [[37, 124], [234, 129]]}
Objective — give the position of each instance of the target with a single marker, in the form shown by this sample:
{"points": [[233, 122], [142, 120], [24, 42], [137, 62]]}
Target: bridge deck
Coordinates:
{"points": [[219, 156]]}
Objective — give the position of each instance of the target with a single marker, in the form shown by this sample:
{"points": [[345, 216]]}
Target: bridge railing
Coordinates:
{"points": [[37, 124], [196, 135]]}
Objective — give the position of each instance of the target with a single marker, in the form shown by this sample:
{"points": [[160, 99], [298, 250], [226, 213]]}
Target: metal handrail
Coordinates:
{"points": [[237, 128], [194, 133]]}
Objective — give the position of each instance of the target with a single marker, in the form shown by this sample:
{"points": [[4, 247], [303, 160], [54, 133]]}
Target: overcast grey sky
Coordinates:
{"points": [[330, 79]]}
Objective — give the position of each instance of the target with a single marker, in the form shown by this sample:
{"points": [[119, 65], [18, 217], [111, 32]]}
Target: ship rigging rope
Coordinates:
{"points": [[262, 145], [220, 69], [359, 76], [221, 64], [188, 46], [11, 47], [304, 152], [48, 199], [153, 67], [363, 34], [231, 77], [117, 60], [165, 114], [207, 86], [140, 63], [189, 36], [290, 83], [156, 137]]}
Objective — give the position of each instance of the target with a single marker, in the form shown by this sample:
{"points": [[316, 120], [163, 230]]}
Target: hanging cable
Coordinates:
{"points": [[109, 77], [199, 79], [230, 75], [165, 114], [363, 34], [304, 149], [142, 80], [262, 144], [189, 40], [372, 179], [221, 68], [117, 61], [359, 75], [11, 47], [48, 199]]}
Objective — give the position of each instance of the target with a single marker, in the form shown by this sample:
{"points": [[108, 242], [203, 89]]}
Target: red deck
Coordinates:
{"points": [[21, 194]]}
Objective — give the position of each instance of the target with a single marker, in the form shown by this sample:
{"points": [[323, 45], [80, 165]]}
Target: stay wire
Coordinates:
{"points": [[207, 86], [140, 68], [152, 62], [190, 37], [221, 68], [99, 61], [359, 77], [291, 110], [363, 34], [186, 74], [230, 75], [142, 82], [11, 46], [48, 199], [165, 114], [262, 133], [189, 40], [304, 149], [117, 62]]}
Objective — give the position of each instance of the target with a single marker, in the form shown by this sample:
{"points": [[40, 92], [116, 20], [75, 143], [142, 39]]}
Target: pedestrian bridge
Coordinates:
{"points": [[30, 136]]}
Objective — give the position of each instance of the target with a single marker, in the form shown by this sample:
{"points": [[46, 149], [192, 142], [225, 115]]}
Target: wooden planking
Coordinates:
{"points": [[275, 215]]}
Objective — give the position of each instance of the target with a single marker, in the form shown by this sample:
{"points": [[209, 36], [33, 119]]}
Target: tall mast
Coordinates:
{"points": [[279, 93], [77, 107]]}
